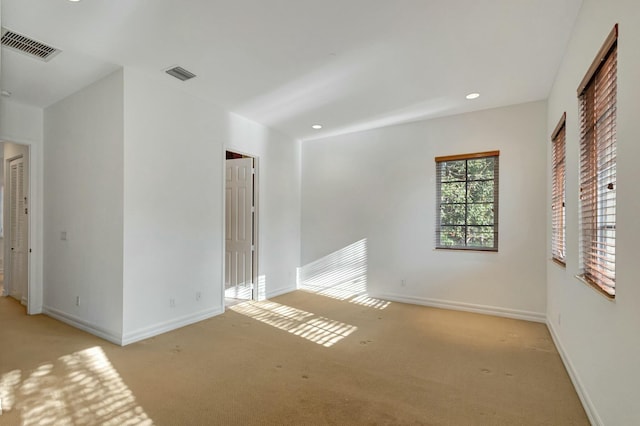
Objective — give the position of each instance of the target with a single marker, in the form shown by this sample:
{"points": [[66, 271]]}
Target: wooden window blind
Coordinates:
{"points": [[597, 98], [558, 224], [467, 201]]}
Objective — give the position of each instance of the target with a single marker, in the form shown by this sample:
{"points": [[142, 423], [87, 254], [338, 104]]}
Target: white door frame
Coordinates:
{"points": [[256, 165], [35, 220]]}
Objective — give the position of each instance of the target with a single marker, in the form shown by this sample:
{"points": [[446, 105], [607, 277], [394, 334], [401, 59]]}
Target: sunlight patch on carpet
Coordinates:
{"points": [[317, 329], [341, 275], [80, 388], [371, 302]]}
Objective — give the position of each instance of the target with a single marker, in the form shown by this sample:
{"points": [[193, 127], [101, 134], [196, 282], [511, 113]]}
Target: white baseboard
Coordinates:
{"points": [[589, 408], [466, 307], [163, 327], [83, 325], [279, 292]]}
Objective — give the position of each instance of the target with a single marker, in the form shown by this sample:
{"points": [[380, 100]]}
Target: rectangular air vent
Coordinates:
{"points": [[28, 46], [180, 73]]}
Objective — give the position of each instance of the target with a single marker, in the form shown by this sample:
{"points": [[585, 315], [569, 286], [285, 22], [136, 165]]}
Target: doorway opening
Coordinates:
{"points": [[14, 231], [241, 229]]}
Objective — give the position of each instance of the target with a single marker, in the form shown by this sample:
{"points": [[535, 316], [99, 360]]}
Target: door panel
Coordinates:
{"points": [[238, 227], [18, 230]]}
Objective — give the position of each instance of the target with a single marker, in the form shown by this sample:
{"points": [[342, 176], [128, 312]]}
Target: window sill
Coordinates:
{"points": [[596, 288], [558, 262], [474, 250]]}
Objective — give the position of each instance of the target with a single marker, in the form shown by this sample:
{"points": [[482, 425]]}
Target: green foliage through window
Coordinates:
{"points": [[467, 202]]}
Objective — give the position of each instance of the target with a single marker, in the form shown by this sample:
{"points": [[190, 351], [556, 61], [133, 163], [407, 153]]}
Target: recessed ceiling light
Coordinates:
{"points": [[6, 93], [74, 1], [317, 126], [473, 95]]}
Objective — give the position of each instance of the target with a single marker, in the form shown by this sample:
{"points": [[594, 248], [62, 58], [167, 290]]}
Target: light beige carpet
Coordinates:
{"points": [[299, 359]]}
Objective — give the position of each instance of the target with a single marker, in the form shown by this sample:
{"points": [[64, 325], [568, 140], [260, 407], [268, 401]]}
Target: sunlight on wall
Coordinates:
{"points": [[245, 292], [341, 275], [262, 287], [317, 329], [430, 108], [81, 388], [241, 291], [321, 86]]}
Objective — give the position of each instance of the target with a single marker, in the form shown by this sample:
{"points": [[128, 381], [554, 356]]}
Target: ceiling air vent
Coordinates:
{"points": [[27, 45], [180, 73]]}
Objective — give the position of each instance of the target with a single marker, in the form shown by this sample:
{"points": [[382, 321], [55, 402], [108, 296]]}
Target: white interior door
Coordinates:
{"points": [[18, 230], [239, 228]]}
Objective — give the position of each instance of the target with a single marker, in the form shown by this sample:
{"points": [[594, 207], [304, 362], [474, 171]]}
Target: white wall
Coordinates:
{"points": [[172, 207], [22, 124], [380, 185], [134, 176], [173, 226], [599, 338], [83, 169]]}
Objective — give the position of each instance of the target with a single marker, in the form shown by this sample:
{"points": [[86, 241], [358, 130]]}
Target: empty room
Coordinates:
{"points": [[278, 212]]}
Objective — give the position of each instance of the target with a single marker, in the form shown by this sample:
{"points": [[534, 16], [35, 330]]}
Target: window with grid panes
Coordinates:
{"points": [[597, 98], [467, 201]]}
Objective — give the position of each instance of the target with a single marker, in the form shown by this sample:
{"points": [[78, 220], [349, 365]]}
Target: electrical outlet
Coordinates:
{"points": [[403, 282], [77, 300], [172, 303], [198, 295], [63, 235], [559, 319]]}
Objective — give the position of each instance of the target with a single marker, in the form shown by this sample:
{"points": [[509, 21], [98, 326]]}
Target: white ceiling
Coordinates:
{"points": [[347, 64]]}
